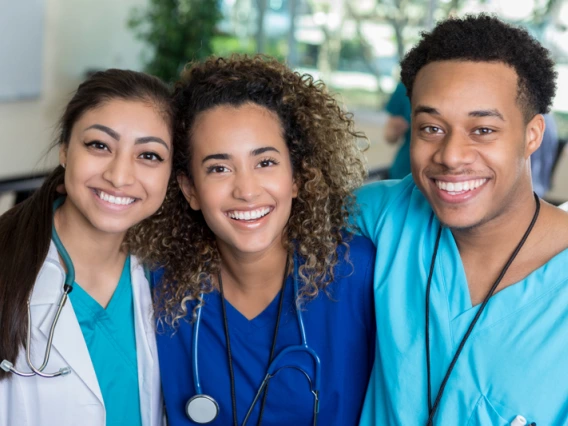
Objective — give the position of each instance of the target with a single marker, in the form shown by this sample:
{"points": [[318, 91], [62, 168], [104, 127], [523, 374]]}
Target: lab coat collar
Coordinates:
{"points": [[146, 349], [70, 344], [68, 338]]}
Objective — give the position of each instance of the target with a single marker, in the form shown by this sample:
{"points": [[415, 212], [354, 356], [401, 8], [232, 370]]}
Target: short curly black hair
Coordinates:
{"points": [[484, 38]]}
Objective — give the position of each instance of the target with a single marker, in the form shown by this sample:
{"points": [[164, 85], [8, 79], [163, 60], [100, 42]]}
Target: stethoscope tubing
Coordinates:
{"points": [[67, 287], [272, 369]]}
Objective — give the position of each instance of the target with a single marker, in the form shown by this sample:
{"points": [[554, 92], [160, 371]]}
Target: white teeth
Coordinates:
{"points": [[114, 200], [249, 214], [458, 187]]}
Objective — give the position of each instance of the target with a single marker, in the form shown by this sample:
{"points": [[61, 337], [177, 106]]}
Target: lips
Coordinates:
{"points": [[112, 199], [459, 187], [249, 215]]}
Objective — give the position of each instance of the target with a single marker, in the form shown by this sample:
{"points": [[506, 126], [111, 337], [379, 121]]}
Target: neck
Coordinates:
{"points": [[485, 249], [499, 234], [88, 247], [252, 280]]}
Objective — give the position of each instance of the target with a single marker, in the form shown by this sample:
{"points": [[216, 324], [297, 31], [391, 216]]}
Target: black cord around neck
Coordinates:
{"points": [[229, 353], [433, 408]]}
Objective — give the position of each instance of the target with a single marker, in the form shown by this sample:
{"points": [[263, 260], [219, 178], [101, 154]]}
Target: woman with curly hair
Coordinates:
{"points": [[258, 267]]}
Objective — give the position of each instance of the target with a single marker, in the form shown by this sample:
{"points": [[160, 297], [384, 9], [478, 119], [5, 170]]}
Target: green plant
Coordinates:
{"points": [[178, 31]]}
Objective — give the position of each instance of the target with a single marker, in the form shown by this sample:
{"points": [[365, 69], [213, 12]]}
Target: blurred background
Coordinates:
{"points": [[47, 47]]}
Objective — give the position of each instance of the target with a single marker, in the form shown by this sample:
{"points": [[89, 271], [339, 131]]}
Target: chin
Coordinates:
{"points": [[111, 227]]}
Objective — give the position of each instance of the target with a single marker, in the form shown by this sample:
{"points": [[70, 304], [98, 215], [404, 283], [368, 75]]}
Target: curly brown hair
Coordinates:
{"points": [[327, 164]]}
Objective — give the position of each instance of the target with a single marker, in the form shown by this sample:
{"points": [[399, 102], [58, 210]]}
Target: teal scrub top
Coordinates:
{"points": [[110, 337], [515, 361], [399, 105]]}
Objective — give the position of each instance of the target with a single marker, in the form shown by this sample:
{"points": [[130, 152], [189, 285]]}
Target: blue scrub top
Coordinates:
{"points": [[514, 362], [111, 340], [340, 328]]}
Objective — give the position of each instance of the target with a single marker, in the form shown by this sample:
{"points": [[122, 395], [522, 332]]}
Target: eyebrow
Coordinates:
{"points": [[424, 109], [262, 150], [116, 136], [105, 129], [487, 113], [149, 139], [253, 153]]}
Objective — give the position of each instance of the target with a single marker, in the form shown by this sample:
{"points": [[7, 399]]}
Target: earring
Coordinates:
{"points": [[63, 165]]}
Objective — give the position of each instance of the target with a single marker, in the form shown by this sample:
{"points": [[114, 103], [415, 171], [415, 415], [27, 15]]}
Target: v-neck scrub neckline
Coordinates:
{"points": [[513, 361], [111, 340]]}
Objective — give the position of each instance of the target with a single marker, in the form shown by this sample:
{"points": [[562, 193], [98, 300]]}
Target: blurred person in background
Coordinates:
{"points": [[77, 340], [397, 130]]}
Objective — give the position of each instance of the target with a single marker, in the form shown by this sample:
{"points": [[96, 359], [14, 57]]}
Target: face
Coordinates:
{"points": [[118, 162], [242, 177], [470, 144]]}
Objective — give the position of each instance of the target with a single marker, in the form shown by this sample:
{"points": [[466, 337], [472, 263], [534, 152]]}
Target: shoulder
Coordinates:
{"points": [[360, 248], [384, 192], [376, 200], [356, 259]]}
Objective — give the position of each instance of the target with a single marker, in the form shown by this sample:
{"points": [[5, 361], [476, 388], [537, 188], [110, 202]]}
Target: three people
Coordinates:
{"points": [[77, 341], [471, 281], [265, 297]]}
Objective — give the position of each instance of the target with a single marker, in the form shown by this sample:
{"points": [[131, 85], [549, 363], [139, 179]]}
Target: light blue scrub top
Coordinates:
{"points": [[111, 340], [515, 361]]}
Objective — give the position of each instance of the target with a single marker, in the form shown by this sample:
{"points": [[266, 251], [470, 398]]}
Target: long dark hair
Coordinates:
{"points": [[25, 230]]}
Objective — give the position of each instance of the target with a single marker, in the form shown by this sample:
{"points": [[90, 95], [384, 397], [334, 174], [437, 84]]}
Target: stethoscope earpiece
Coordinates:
{"points": [[202, 409]]}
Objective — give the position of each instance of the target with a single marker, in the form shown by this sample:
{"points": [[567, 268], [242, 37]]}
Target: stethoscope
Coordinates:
{"points": [[432, 408], [202, 408], [67, 287]]}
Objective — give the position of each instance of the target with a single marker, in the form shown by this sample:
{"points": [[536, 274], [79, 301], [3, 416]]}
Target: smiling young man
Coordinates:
{"points": [[471, 280]]}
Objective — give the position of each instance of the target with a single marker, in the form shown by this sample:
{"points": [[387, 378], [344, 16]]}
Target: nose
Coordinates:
{"points": [[455, 151], [120, 171], [246, 186]]}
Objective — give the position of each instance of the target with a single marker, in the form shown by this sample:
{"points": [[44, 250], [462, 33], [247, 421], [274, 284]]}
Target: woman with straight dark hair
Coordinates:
{"points": [[77, 341]]}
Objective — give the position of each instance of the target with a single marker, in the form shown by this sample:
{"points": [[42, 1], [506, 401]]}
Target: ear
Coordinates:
{"points": [[295, 188], [63, 154], [189, 192], [534, 133]]}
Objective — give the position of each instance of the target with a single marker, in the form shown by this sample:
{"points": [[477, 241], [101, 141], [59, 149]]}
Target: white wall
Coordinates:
{"points": [[78, 35]]}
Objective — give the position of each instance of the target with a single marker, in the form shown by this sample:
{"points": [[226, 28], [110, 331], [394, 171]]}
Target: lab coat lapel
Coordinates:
{"points": [[68, 338], [146, 350]]}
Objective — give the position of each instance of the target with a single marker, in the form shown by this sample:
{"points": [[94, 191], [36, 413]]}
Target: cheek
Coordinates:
{"points": [[156, 184], [420, 154]]}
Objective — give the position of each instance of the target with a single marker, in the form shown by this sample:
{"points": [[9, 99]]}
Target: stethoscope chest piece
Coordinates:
{"points": [[202, 409]]}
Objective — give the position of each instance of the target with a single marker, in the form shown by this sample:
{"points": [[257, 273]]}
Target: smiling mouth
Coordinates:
{"points": [[456, 188], [249, 215], [119, 201]]}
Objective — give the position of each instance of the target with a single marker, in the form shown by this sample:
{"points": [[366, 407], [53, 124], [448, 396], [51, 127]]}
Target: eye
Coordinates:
{"points": [[150, 156], [217, 169], [483, 131], [97, 145], [431, 130], [267, 162]]}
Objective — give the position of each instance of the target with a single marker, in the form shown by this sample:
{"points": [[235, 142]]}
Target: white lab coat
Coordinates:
{"points": [[75, 399]]}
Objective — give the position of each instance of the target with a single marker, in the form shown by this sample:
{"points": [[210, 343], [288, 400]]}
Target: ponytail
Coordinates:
{"points": [[25, 235]]}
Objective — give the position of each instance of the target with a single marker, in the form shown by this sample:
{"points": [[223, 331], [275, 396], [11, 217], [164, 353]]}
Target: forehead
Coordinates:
{"points": [[237, 126], [461, 86], [125, 115]]}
